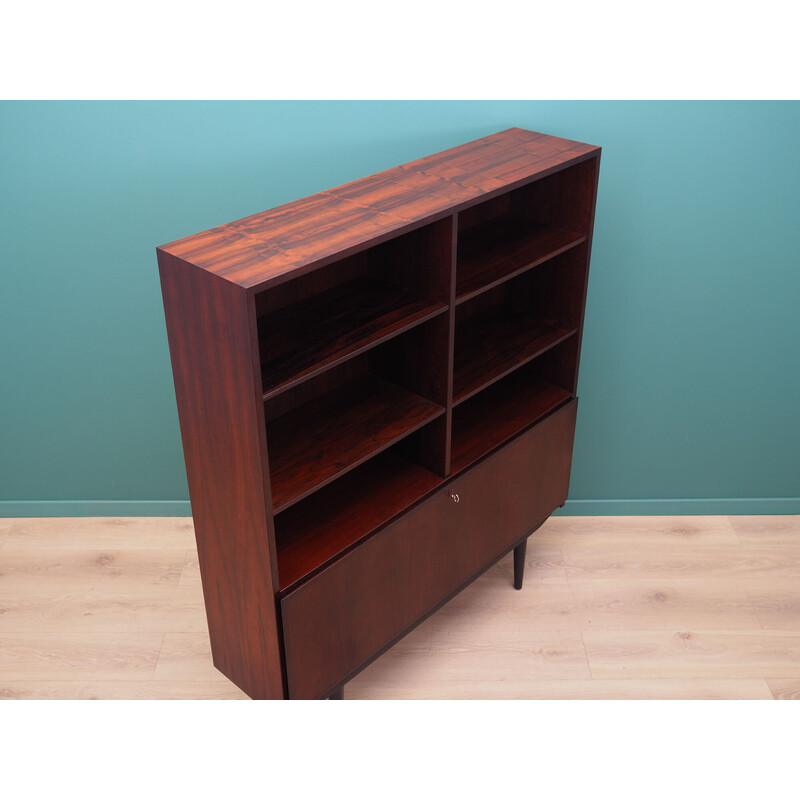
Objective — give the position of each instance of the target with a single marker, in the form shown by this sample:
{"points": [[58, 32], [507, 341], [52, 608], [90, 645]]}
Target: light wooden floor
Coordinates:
{"points": [[613, 607]]}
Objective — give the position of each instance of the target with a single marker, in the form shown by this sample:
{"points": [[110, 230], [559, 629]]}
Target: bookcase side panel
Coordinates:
{"points": [[210, 326], [588, 195]]}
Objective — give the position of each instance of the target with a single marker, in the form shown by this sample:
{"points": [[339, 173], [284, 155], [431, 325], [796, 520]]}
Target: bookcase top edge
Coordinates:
{"points": [[274, 245]]}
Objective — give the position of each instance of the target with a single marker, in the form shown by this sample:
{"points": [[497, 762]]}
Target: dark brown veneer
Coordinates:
{"points": [[376, 391]]}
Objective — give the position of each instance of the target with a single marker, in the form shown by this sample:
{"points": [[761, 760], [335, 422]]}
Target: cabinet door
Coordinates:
{"points": [[336, 622]]}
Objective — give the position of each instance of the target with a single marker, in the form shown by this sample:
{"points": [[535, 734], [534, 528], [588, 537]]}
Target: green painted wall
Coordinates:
{"points": [[690, 380]]}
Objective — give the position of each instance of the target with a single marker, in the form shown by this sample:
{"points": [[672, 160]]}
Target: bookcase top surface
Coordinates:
{"points": [[274, 245]]}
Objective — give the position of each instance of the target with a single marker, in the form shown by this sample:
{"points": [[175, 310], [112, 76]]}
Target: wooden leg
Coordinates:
{"points": [[338, 694], [519, 563]]}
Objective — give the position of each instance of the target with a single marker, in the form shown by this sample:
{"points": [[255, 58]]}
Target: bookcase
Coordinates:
{"points": [[376, 388]]}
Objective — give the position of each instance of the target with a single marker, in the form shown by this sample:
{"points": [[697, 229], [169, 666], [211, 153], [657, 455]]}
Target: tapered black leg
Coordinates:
{"points": [[519, 563], [338, 694]]}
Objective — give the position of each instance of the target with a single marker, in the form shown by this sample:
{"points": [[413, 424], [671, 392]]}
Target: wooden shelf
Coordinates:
{"points": [[325, 438], [312, 335], [494, 251], [407, 439], [498, 413], [495, 342], [336, 518]]}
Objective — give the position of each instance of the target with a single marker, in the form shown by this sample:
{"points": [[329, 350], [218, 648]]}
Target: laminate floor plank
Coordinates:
{"points": [[59, 571], [598, 532], [692, 654], [778, 529], [190, 575], [153, 611], [187, 657], [654, 560], [488, 689], [93, 533], [511, 655], [612, 607], [776, 603], [38, 655], [784, 688], [121, 690]]}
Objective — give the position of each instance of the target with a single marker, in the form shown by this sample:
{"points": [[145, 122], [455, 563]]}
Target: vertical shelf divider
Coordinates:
{"points": [[422, 359], [451, 340]]}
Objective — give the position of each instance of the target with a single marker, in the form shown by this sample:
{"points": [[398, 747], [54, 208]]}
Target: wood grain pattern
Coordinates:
{"points": [[549, 292], [322, 440], [339, 619], [97, 611], [404, 195], [776, 600], [784, 688], [334, 519], [537, 658], [221, 689], [656, 560], [498, 413], [502, 160], [495, 342], [312, 335], [378, 682], [221, 412], [89, 533], [36, 655], [308, 339], [670, 534], [76, 570], [190, 576], [513, 656], [778, 530], [495, 251], [186, 656], [692, 653], [274, 245], [464, 662], [620, 605]]}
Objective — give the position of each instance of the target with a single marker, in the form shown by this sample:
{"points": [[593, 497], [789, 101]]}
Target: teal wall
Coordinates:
{"points": [[690, 379]]}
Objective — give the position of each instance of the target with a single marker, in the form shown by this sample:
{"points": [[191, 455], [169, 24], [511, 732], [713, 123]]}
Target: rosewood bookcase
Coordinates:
{"points": [[376, 391]]}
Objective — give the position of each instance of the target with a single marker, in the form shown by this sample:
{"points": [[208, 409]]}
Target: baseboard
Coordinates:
{"points": [[681, 506], [95, 508], [573, 508]]}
